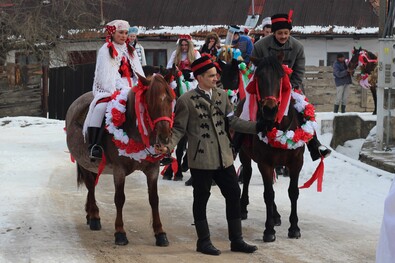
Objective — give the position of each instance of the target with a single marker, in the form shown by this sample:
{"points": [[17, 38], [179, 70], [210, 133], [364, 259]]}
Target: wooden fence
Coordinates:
{"points": [[321, 91]]}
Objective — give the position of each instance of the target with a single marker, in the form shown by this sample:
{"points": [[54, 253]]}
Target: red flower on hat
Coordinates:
{"points": [[185, 36]]}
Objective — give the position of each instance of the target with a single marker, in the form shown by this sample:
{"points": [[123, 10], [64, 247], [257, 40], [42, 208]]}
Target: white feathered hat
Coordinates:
{"points": [[266, 21]]}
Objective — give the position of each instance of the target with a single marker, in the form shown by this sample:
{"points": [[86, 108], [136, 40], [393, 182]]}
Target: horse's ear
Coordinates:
{"points": [[280, 56], [143, 80]]}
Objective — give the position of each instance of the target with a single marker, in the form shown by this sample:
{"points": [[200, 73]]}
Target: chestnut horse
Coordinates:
{"points": [[267, 81], [367, 61], [159, 99]]}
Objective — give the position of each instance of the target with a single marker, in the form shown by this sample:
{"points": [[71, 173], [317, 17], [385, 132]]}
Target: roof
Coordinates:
{"points": [[154, 13], [348, 13]]}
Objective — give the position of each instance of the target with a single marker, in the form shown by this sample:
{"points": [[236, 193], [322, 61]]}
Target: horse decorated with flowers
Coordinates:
{"points": [[136, 120], [271, 100], [367, 78]]}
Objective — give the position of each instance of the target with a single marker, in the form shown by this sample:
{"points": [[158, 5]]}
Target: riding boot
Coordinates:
{"points": [[343, 108], [237, 243], [316, 149], [204, 244], [335, 108], [94, 138]]}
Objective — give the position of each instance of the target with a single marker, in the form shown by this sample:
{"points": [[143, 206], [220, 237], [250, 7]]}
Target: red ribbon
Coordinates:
{"points": [[174, 166], [317, 175], [242, 93], [102, 165], [285, 93], [139, 98], [125, 68]]}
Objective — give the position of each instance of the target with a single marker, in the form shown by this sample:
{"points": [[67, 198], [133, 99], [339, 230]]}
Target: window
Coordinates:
{"points": [[156, 57], [331, 57]]}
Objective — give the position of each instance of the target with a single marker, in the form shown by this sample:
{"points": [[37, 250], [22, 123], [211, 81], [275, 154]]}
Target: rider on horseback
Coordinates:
{"points": [[116, 67], [294, 57]]}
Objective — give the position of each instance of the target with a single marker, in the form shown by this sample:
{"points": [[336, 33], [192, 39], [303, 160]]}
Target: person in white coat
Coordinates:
{"points": [[116, 67], [385, 252], [132, 34]]}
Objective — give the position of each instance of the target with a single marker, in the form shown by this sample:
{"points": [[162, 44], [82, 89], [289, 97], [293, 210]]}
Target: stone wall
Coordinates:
{"points": [[320, 89]]}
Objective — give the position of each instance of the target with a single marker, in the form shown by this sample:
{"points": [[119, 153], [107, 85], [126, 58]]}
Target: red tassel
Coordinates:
{"points": [[72, 158], [102, 165], [174, 165], [242, 92], [317, 175]]}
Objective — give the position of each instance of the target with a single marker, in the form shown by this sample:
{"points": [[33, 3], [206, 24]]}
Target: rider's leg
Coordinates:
{"points": [[95, 131]]}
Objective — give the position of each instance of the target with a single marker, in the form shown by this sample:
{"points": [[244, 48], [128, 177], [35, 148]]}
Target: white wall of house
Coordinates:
{"points": [[316, 49]]}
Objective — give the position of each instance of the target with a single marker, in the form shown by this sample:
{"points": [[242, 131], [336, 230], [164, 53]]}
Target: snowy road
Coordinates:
{"points": [[42, 215]]}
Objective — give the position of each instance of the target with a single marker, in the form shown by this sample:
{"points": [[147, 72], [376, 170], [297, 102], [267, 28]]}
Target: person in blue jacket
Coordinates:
{"points": [[343, 82], [244, 43]]}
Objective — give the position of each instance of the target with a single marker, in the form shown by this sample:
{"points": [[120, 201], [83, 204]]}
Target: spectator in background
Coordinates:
{"points": [[266, 26], [244, 43], [132, 35], [211, 44], [343, 82], [184, 55]]}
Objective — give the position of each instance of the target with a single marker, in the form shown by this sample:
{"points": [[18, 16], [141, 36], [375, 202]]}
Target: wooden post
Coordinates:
{"points": [[382, 16], [44, 98]]}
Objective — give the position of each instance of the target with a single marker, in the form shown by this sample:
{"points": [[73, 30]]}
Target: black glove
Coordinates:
{"points": [[264, 126]]}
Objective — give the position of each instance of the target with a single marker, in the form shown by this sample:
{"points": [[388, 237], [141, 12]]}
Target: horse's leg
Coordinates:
{"points": [[293, 193], [374, 95], [247, 173], [92, 211], [119, 200], [269, 235], [152, 182]]}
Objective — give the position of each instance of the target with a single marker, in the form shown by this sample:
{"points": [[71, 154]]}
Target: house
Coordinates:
{"points": [[324, 28]]}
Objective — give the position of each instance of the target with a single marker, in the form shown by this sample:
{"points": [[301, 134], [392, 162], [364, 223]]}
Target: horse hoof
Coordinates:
{"points": [[244, 215], [121, 239], [277, 221], [269, 238], [294, 234], [161, 240], [94, 224]]}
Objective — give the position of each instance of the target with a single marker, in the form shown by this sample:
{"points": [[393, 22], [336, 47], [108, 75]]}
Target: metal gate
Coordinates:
{"points": [[67, 84]]}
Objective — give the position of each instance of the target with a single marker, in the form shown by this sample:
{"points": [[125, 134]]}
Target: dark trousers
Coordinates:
{"points": [[226, 180]]}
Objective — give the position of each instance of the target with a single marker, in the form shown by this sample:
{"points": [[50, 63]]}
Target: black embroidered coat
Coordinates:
{"points": [[209, 147]]}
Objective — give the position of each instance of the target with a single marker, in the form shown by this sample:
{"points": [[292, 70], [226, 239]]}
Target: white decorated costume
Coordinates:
{"points": [[107, 76]]}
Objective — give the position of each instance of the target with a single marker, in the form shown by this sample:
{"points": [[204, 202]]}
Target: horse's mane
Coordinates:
{"points": [[271, 61], [154, 94]]}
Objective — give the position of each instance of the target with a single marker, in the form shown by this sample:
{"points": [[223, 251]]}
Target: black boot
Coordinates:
{"points": [[335, 108], [94, 138], [184, 165], [343, 108], [189, 182], [237, 243], [204, 244], [316, 149]]}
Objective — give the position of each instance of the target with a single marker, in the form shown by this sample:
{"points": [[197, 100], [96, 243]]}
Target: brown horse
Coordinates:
{"points": [[159, 99], [367, 61], [268, 78]]}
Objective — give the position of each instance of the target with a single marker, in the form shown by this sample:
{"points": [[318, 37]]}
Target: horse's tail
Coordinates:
{"points": [[80, 176]]}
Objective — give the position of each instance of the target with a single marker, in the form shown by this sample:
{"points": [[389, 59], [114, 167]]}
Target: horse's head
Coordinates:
{"points": [[268, 79], [159, 98], [230, 74], [353, 62]]}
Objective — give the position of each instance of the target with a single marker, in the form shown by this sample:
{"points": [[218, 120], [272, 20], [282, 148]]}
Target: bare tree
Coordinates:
{"points": [[34, 26]]}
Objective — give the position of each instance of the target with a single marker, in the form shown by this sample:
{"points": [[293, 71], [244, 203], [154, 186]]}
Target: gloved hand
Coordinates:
{"points": [[264, 126]]}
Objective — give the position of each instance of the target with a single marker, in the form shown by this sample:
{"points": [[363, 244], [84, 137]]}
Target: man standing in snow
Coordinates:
{"points": [[343, 82]]}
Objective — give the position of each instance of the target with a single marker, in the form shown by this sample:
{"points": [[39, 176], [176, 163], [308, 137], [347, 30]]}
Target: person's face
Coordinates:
{"points": [[208, 80], [132, 37], [120, 36], [267, 31], [212, 41], [184, 46], [282, 35], [342, 59]]}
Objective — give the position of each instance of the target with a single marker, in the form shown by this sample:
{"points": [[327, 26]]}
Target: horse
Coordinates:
{"points": [[269, 150], [183, 81], [367, 61], [158, 99]]}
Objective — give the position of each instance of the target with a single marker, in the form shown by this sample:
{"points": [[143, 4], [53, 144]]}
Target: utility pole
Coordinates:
{"points": [[383, 9]]}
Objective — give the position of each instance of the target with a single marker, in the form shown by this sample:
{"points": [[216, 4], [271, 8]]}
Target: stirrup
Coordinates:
{"points": [[96, 152], [324, 151]]}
